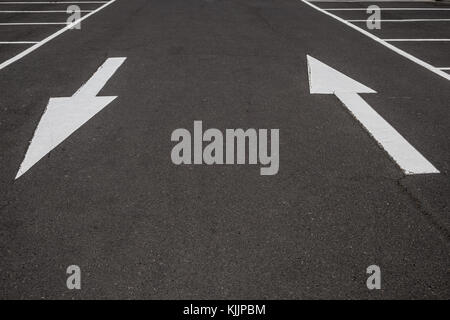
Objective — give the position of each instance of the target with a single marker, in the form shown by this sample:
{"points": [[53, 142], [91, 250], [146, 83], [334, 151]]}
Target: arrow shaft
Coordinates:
{"points": [[99, 78], [63, 116], [407, 157]]}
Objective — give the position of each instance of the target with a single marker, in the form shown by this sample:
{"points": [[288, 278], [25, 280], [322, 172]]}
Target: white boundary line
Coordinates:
{"points": [[388, 9], [444, 68], [30, 23], [401, 20], [363, 1], [18, 42], [40, 11], [384, 43], [51, 37], [51, 2], [418, 40]]}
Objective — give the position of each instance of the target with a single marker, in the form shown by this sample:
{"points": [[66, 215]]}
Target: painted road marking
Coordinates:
{"points": [[30, 23], [368, 1], [388, 9], [424, 40], [52, 2], [323, 79], [63, 116], [51, 37], [404, 54], [40, 11], [18, 42], [401, 20]]}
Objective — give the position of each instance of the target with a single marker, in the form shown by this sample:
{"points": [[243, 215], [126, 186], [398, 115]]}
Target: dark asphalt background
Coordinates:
{"points": [[110, 200]]}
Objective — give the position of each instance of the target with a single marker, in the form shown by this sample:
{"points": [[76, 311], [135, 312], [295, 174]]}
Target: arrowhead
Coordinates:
{"points": [[61, 118], [326, 80]]}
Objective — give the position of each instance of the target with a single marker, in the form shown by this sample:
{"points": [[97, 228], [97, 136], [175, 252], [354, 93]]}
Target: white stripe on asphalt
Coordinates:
{"points": [[51, 37], [404, 54], [31, 23], [51, 2], [401, 20], [425, 40], [18, 42], [363, 1], [388, 9], [444, 68], [407, 157], [40, 11]]}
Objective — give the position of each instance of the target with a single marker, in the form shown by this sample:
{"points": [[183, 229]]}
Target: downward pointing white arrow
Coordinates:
{"points": [[325, 80], [63, 116]]}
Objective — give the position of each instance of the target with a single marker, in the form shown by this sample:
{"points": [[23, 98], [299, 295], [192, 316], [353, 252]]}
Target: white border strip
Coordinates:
{"points": [[51, 37], [404, 54]]}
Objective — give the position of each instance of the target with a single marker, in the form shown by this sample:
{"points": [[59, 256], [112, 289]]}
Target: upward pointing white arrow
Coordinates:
{"points": [[63, 116], [325, 80]]}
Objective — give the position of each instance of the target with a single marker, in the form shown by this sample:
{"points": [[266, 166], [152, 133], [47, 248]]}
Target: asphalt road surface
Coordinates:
{"points": [[109, 199]]}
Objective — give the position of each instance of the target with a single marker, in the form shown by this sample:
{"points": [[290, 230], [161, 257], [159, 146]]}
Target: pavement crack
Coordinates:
{"points": [[426, 212], [257, 13]]}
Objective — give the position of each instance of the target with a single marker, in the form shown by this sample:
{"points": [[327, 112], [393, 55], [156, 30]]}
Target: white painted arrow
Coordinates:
{"points": [[63, 116], [325, 80]]}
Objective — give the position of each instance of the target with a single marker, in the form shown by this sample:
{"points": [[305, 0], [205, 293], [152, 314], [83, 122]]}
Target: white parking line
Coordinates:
{"points": [[404, 54], [401, 20], [18, 42], [388, 9], [51, 2], [444, 68], [51, 37], [418, 40], [30, 23], [64, 116], [39, 11], [363, 1]]}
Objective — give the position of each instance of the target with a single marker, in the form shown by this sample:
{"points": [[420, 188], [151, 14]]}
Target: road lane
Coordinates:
{"points": [[110, 200]]}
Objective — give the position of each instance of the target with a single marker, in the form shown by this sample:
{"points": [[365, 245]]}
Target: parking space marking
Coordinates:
{"points": [[30, 23], [39, 11], [388, 45], [37, 45], [418, 40], [18, 42], [400, 20], [389, 9], [52, 2]]}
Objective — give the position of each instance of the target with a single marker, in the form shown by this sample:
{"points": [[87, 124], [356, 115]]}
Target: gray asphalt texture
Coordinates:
{"points": [[110, 200]]}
